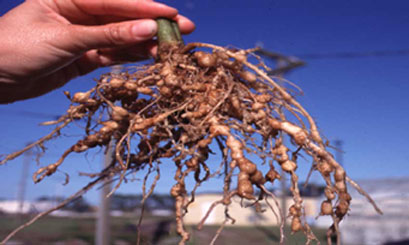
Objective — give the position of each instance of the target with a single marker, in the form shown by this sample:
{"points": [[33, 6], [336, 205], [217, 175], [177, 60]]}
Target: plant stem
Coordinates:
{"points": [[168, 32], [177, 33]]}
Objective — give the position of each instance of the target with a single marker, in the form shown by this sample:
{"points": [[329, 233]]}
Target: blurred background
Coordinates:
{"points": [[355, 84]]}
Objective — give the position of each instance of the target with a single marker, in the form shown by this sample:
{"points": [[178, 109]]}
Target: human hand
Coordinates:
{"points": [[46, 43]]}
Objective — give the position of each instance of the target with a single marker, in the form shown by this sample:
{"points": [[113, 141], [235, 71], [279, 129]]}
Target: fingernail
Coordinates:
{"points": [[104, 60], [144, 29]]}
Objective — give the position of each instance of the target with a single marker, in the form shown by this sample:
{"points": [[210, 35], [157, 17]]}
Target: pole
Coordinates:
{"points": [[102, 236], [102, 233], [283, 193], [23, 181]]}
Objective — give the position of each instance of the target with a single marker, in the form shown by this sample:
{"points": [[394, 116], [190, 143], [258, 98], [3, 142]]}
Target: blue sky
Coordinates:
{"points": [[362, 101]]}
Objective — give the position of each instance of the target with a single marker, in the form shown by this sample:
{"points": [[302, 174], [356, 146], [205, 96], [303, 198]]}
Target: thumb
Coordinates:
{"points": [[114, 35]]}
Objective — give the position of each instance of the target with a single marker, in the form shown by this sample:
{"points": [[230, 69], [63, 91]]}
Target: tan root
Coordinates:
{"points": [[183, 106]]}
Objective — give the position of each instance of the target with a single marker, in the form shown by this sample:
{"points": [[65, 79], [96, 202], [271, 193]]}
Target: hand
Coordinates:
{"points": [[46, 43]]}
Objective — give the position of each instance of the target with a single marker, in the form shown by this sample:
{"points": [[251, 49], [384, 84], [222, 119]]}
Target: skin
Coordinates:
{"points": [[46, 43]]}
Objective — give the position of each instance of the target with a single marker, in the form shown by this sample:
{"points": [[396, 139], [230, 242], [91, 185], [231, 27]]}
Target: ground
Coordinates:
{"points": [[156, 230]]}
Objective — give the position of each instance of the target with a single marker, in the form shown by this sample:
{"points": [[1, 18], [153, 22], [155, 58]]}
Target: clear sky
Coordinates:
{"points": [[362, 101]]}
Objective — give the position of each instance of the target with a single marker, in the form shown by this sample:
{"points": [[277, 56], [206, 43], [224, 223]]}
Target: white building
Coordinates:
{"points": [[15, 207], [241, 211], [364, 226]]}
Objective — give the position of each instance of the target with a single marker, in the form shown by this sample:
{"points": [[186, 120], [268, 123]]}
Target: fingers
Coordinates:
{"points": [[120, 34], [94, 59], [112, 35], [109, 11], [132, 53], [89, 62], [126, 8], [186, 26]]}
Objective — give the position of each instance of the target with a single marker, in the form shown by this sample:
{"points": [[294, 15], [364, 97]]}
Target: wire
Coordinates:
{"points": [[285, 63], [348, 55], [291, 62]]}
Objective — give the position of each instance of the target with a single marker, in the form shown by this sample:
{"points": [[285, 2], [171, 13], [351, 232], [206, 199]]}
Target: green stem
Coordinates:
{"points": [[177, 32], [168, 32]]}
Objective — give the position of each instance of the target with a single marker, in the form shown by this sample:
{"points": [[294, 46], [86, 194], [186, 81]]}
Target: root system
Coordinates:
{"points": [[195, 100]]}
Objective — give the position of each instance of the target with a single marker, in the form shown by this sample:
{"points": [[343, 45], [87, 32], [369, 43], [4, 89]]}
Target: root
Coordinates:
{"points": [[145, 196], [59, 206], [219, 231], [179, 201], [179, 107], [363, 193], [281, 218], [50, 169], [49, 136], [226, 200]]}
